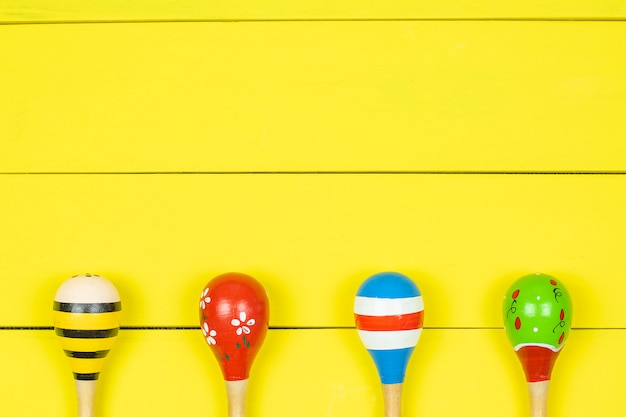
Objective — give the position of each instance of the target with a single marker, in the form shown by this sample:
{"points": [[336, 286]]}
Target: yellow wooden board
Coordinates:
{"points": [[157, 10], [312, 373], [309, 96], [311, 240], [225, 91]]}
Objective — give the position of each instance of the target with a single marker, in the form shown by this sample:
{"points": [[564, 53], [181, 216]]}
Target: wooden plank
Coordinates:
{"points": [[314, 373], [330, 96], [14, 11], [311, 240]]}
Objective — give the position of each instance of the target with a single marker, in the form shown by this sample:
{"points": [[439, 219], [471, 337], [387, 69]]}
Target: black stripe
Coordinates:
{"points": [[86, 334], [86, 377], [87, 355], [87, 307]]}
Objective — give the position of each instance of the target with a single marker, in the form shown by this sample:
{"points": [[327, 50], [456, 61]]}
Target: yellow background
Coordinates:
{"points": [[310, 145]]}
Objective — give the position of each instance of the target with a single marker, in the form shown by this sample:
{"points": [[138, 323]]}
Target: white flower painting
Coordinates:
{"points": [[204, 298], [209, 334], [242, 324]]}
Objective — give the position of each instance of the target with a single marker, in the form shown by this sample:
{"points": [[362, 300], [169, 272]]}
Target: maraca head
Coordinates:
{"points": [[537, 312], [389, 313], [87, 310], [234, 317]]}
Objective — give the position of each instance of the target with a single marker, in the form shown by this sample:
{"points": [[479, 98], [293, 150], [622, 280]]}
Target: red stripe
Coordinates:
{"points": [[400, 322], [537, 362]]}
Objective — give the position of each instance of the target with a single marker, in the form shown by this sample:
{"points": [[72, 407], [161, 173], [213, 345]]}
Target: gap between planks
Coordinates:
{"points": [[314, 20], [195, 328], [355, 172]]}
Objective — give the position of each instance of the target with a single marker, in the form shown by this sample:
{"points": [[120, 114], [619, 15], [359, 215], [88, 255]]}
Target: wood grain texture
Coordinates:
{"points": [[311, 240], [13, 11], [452, 372], [313, 96]]}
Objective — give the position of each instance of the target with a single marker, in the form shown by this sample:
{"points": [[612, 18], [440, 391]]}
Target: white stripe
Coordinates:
{"points": [[388, 340], [370, 306], [552, 348]]}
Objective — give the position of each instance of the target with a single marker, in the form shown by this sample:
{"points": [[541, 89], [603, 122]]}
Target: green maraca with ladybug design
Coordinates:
{"points": [[537, 313]]}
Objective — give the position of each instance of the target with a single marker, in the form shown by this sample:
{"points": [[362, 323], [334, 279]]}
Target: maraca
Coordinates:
{"points": [[537, 314], [234, 317], [87, 310], [389, 313]]}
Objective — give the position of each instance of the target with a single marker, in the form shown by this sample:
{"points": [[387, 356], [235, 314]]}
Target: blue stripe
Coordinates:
{"points": [[388, 285], [391, 364]]}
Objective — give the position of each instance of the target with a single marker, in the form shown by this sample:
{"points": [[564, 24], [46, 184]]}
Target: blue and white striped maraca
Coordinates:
{"points": [[389, 312]]}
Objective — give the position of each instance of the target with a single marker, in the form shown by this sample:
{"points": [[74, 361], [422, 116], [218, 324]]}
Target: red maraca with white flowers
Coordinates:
{"points": [[234, 317]]}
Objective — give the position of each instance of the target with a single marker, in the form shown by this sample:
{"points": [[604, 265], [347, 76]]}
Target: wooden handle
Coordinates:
{"points": [[85, 393], [538, 393], [236, 393], [392, 397]]}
